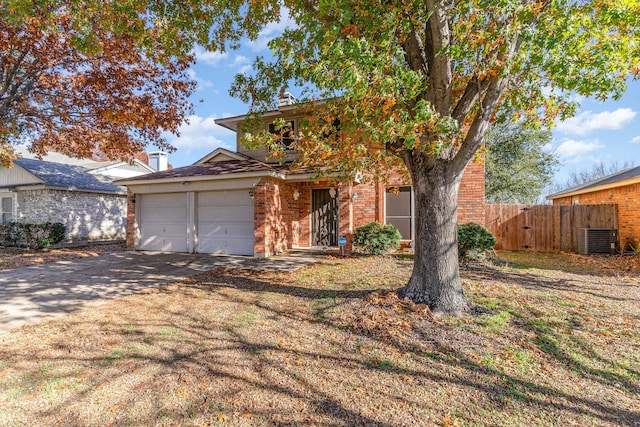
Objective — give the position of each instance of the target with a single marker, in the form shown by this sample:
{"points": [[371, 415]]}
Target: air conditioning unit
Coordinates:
{"points": [[597, 241]]}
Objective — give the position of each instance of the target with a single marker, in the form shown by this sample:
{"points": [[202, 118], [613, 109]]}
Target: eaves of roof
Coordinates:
{"points": [[206, 172], [619, 179]]}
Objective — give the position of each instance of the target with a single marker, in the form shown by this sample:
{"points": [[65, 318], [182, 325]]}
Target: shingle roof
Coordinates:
{"points": [[214, 168], [71, 177], [609, 179]]}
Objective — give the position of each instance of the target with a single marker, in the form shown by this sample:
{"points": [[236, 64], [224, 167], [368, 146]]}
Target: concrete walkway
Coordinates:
{"points": [[32, 294]]}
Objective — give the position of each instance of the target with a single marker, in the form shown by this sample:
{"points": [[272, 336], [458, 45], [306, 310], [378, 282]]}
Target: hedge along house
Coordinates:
{"points": [[621, 188], [240, 203], [78, 193]]}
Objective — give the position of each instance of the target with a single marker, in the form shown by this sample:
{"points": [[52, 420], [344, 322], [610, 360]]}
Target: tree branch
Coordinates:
{"points": [[470, 97], [438, 37]]}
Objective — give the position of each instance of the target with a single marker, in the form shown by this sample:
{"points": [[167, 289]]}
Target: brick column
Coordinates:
{"points": [[132, 226]]}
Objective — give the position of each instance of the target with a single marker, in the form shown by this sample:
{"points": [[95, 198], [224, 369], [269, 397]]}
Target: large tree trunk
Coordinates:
{"points": [[436, 279]]}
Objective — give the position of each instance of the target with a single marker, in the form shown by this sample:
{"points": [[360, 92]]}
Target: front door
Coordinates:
{"points": [[324, 207]]}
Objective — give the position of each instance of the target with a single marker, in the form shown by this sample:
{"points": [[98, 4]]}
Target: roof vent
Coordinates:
{"points": [[597, 241], [159, 161], [286, 99]]}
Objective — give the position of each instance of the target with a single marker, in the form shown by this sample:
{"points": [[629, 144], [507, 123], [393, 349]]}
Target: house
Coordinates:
{"points": [[79, 193], [621, 188], [237, 202]]}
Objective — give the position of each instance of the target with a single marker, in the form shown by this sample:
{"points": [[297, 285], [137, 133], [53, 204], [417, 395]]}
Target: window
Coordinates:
{"points": [[286, 133], [334, 131], [399, 210], [7, 208]]}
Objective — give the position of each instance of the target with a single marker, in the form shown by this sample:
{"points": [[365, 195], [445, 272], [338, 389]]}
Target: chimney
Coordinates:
{"points": [[158, 160], [286, 99]]}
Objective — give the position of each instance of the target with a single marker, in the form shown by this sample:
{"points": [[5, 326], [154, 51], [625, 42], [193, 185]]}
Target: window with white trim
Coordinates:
{"points": [[398, 209], [7, 208], [286, 133]]}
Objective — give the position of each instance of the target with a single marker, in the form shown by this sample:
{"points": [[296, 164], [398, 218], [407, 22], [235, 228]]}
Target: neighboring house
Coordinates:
{"points": [[76, 192], [238, 203], [621, 188]]}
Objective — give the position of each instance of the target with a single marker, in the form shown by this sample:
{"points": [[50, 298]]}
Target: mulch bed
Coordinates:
{"points": [[11, 258]]}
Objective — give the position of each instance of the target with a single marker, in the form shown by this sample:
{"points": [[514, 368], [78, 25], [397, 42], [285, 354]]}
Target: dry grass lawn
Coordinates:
{"points": [[331, 345]]}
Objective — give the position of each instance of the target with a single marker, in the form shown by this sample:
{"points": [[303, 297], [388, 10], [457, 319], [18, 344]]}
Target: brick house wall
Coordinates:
{"points": [[131, 226], [275, 217], [281, 221], [471, 204], [627, 198]]}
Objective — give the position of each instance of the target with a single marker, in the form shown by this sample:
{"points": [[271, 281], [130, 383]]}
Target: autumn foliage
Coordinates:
{"points": [[100, 97]]}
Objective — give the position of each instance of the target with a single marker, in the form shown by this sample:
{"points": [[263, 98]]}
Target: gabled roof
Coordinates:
{"points": [[222, 154], [67, 177], [618, 179]]}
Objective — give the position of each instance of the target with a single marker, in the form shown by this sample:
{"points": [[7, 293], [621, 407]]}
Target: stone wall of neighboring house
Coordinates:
{"points": [[88, 216], [627, 198], [33, 206]]}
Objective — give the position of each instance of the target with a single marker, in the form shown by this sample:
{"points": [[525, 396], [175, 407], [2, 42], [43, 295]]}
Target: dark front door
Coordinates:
{"points": [[324, 207]]}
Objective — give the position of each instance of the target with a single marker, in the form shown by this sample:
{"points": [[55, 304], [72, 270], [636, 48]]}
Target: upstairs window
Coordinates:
{"points": [[334, 131], [286, 133], [399, 210]]}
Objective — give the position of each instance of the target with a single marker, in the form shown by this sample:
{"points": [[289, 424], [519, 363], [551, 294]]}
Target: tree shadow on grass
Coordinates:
{"points": [[213, 365]]}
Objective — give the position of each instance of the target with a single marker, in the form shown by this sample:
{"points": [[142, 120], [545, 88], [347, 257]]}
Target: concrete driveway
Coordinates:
{"points": [[32, 294]]}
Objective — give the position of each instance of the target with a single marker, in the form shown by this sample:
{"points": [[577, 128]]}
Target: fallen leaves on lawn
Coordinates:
{"points": [[386, 315]]}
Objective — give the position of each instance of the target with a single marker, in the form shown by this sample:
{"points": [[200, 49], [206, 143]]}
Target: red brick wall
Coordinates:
{"points": [[471, 205], [131, 219], [276, 224], [627, 198], [369, 205]]}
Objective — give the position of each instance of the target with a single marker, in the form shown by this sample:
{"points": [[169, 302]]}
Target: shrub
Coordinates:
{"points": [[35, 236], [375, 238], [472, 238]]}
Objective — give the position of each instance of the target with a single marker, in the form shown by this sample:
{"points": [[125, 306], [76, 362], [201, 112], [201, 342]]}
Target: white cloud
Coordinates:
{"points": [[202, 83], [201, 132], [241, 63], [635, 140], [208, 57], [573, 148], [588, 121]]}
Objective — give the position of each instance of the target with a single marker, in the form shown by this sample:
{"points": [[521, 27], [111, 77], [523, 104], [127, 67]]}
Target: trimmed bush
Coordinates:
{"points": [[34, 236], [473, 238], [375, 238]]}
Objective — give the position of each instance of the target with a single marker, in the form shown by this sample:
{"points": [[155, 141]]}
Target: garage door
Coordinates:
{"points": [[225, 222], [162, 222]]}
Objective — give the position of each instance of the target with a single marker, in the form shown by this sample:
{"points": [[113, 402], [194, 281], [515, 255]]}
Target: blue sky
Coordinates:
{"points": [[600, 131]]}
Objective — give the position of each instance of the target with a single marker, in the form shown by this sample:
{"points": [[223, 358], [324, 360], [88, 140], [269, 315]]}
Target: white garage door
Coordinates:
{"points": [[162, 222], [225, 222]]}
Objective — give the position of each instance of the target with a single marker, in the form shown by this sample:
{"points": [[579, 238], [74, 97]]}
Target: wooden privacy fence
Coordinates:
{"points": [[546, 228]]}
